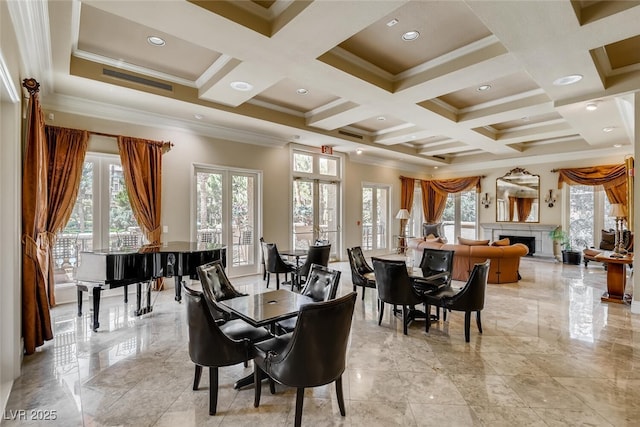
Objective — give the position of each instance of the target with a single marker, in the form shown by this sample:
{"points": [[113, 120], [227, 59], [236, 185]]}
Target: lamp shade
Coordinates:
{"points": [[617, 210], [403, 214]]}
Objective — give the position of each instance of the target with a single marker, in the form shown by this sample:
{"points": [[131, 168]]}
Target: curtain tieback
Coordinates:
{"points": [[33, 246]]}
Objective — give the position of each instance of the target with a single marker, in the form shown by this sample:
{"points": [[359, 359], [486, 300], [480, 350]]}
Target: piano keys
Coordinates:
{"points": [[101, 269]]}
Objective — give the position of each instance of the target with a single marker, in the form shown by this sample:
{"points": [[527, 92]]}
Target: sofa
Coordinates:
{"points": [[504, 260]]}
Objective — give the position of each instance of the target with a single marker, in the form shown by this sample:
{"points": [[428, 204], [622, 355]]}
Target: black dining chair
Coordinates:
{"points": [[216, 285], [322, 285], [395, 287], [468, 299], [275, 264], [437, 269], [314, 354], [359, 268], [318, 255], [213, 344]]}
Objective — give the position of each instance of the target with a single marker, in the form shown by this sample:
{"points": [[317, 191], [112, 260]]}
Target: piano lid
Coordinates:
{"points": [[178, 246]]}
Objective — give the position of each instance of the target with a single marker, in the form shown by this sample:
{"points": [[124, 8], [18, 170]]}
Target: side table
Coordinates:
{"points": [[616, 277]]}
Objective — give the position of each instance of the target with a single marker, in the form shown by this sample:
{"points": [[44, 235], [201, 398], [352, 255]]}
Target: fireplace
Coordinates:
{"points": [[528, 241]]}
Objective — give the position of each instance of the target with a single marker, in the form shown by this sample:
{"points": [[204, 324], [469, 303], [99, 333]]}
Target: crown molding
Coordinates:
{"points": [[8, 82], [90, 108]]}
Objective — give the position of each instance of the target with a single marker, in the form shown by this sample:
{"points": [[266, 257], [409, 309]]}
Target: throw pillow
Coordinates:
{"points": [[470, 242], [502, 242], [608, 240], [435, 229], [430, 237]]}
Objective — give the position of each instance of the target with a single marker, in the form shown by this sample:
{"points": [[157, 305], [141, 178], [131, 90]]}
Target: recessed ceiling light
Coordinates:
{"points": [[156, 41], [592, 106], [483, 88], [410, 35], [413, 137], [358, 151], [617, 145], [381, 118], [435, 167], [242, 86], [198, 116], [393, 22], [607, 129], [302, 91], [567, 80]]}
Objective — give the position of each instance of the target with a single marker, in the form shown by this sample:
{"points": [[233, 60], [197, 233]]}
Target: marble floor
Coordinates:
{"points": [[551, 355]]}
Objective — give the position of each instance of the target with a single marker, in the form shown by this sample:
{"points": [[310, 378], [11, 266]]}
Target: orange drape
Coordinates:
{"points": [[524, 208], [142, 167], [36, 319], [435, 192], [406, 198], [612, 177], [67, 149]]}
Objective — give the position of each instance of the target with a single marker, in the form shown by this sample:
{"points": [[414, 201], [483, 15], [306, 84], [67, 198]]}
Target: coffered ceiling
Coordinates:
{"points": [[475, 89]]}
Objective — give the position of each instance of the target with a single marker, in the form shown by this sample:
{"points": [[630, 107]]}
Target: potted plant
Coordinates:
{"points": [[563, 239]]}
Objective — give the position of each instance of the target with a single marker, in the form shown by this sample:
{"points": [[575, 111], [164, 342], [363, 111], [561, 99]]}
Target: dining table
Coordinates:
{"points": [[264, 310], [297, 254]]}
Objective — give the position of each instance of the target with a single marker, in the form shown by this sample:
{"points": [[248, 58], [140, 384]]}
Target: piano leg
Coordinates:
{"points": [[138, 298], [139, 309], [79, 302], [178, 285], [96, 307]]}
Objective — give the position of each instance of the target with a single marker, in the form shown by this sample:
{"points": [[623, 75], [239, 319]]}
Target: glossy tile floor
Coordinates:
{"points": [[551, 354]]}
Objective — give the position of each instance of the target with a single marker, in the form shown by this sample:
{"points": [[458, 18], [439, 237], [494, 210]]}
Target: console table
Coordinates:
{"points": [[616, 276]]}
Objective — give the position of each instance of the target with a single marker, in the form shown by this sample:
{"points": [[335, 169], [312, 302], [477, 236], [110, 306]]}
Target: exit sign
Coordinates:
{"points": [[327, 150]]}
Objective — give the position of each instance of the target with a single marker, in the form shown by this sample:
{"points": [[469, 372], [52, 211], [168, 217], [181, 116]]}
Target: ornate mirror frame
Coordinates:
{"points": [[518, 192]]}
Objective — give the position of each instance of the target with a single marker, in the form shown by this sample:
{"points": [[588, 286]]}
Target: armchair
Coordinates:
{"points": [[469, 298], [394, 287], [322, 285], [275, 264], [215, 345], [314, 354], [359, 268]]}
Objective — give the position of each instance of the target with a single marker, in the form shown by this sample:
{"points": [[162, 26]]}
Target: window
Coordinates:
{"points": [[460, 215], [375, 216], [588, 214], [316, 196], [227, 212], [101, 217]]}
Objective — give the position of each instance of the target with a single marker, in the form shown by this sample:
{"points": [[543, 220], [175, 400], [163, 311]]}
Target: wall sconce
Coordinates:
{"points": [[486, 201], [550, 200]]}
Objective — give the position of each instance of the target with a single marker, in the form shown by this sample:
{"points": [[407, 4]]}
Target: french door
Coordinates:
{"points": [[227, 212], [316, 213]]}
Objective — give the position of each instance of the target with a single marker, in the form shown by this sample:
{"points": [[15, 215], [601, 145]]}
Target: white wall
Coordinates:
{"points": [[10, 220]]}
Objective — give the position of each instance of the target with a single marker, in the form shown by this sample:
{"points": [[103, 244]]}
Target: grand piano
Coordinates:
{"points": [[102, 269]]}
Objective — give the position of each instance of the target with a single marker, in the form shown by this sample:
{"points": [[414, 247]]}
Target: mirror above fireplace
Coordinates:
{"points": [[518, 197]]}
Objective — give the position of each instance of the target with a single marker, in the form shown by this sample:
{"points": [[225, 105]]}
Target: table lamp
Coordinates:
{"points": [[402, 214], [618, 211]]}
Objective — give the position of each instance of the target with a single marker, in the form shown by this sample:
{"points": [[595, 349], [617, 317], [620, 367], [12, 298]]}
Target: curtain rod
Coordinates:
{"points": [[418, 179], [115, 136]]}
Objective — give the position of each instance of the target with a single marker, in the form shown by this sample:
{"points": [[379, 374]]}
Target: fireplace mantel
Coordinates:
{"points": [[544, 243]]}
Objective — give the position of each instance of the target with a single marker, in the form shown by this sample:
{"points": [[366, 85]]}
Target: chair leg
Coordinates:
{"points": [[478, 321], [257, 383], [196, 377], [340, 396], [405, 319], [213, 389], [363, 288], [268, 278], [272, 386], [277, 280], [299, 402], [467, 325], [427, 323], [381, 311]]}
